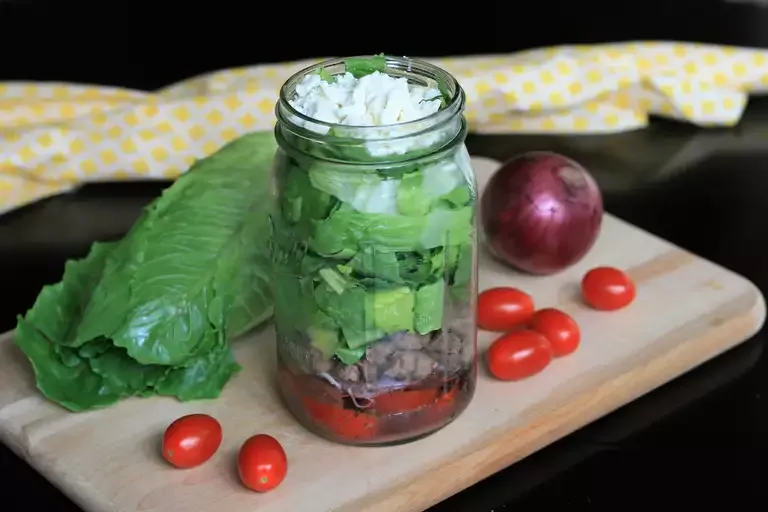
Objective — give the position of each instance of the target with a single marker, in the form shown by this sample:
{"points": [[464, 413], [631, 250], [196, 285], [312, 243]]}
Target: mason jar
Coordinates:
{"points": [[374, 260]]}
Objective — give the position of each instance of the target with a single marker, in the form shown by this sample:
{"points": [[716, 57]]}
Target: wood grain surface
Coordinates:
{"points": [[687, 310]]}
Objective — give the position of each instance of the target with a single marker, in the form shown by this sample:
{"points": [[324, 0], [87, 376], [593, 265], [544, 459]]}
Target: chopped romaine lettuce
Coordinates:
{"points": [[361, 66], [371, 253]]}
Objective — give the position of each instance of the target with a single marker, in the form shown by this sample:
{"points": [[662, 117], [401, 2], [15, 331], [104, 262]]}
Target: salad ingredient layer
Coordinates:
{"points": [[391, 115], [377, 99]]}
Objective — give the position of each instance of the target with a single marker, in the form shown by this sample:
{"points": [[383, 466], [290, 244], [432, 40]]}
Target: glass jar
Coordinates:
{"points": [[374, 265]]}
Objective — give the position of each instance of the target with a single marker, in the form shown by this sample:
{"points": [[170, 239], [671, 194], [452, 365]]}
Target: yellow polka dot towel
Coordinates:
{"points": [[56, 136]]}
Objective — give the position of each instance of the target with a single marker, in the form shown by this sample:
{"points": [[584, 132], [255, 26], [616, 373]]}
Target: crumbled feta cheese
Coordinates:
{"points": [[373, 100]]}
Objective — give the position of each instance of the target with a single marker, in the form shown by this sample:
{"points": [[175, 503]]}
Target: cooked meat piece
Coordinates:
{"points": [[378, 352], [405, 358], [349, 373], [370, 371], [468, 352], [449, 350], [409, 341], [410, 366]]}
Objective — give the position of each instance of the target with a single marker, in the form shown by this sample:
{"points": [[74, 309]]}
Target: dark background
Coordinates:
{"points": [[150, 44], [698, 441]]}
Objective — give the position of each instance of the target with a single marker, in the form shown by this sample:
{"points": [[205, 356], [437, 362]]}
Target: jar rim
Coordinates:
{"points": [[407, 64]]}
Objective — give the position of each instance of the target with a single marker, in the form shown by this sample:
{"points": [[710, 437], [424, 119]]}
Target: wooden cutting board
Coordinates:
{"points": [[687, 310]]}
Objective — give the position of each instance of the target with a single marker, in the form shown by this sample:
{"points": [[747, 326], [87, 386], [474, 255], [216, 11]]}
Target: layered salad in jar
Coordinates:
{"points": [[374, 255]]}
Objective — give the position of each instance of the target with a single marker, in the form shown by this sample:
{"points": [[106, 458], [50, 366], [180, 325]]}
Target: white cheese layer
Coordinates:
{"points": [[373, 100]]}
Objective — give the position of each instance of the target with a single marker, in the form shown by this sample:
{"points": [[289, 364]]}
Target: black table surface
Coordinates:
{"points": [[699, 440]]}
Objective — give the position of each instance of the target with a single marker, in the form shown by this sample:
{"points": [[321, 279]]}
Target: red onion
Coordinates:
{"points": [[541, 212]]}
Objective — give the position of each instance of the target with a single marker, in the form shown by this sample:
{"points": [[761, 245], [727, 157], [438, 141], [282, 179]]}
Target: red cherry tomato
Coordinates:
{"points": [[446, 402], [502, 309], [444, 406], [607, 288], [262, 463], [519, 355], [559, 328], [401, 401], [191, 440], [347, 424]]}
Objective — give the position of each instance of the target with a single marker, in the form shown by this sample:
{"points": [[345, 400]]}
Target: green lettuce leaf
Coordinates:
{"points": [[179, 267], [151, 314], [349, 230], [361, 66]]}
